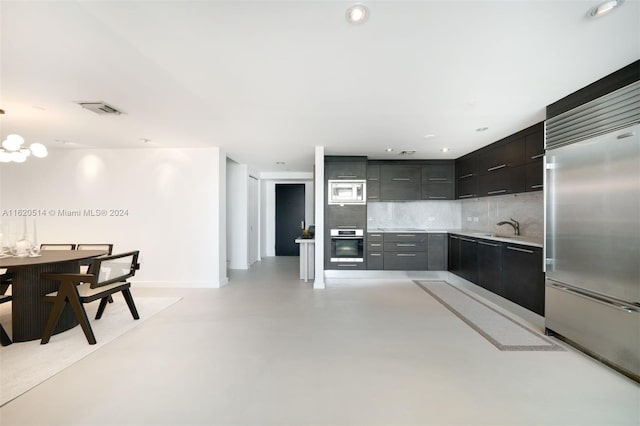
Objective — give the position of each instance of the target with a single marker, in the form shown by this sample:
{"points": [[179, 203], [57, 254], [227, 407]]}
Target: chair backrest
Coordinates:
{"points": [[57, 246], [114, 268], [106, 247]]}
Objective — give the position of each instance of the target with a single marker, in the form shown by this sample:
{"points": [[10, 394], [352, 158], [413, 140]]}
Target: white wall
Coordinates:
{"points": [[268, 204], [173, 199], [237, 215]]}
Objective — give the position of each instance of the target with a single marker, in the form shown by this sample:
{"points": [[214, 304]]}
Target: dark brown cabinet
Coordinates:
{"points": [[513, 271], [467, 176], [490, 266], [523, 277]]}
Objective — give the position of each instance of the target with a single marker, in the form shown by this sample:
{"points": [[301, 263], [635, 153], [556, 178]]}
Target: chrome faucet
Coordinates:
{"points": [[514, 224]]}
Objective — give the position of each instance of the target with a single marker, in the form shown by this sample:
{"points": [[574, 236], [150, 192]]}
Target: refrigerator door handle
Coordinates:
{"points": [[630, 309]]}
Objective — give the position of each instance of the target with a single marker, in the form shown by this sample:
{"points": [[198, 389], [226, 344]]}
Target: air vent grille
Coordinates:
{"points": [[605, 114], [100, 107]]}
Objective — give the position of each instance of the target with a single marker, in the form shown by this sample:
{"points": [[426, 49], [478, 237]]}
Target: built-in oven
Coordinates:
{"points": [[347, 192], [347, 245]]}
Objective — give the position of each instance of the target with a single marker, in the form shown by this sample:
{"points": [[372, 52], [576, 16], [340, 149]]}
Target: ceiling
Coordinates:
{"points": [[267, 81]]}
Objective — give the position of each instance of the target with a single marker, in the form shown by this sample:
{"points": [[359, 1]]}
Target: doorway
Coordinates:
{"points": [[289, 218]]}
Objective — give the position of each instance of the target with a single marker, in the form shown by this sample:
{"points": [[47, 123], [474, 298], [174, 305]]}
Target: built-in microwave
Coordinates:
{"points": [[347, 192]]}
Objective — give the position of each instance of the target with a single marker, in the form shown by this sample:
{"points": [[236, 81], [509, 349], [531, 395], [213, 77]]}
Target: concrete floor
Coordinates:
{"points": [[268, 349]]}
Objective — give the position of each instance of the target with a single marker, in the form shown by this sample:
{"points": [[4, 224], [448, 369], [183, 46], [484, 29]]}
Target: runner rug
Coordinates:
{"points": [[503, 332]]}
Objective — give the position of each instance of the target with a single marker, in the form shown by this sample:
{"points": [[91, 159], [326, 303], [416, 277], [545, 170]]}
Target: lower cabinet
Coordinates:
{"points": [[522, 276], [490, 266], [407, 251], [513, 271]]}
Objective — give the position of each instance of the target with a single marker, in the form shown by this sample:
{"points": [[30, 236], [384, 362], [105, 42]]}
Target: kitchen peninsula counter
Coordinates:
{"points": [[505, 238]]}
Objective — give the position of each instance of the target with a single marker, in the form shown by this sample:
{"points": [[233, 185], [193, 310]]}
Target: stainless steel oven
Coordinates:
{"points": [[347, 245]]}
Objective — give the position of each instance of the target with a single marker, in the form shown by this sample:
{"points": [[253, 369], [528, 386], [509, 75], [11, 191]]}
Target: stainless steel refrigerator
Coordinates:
{"points": [[592, 296]]}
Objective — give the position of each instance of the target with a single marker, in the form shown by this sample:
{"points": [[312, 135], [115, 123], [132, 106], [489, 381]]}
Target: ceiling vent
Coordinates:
{"points": [[408, 152], [100, 107]]}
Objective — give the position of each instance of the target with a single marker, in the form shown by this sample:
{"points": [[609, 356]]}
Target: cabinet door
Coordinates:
{"points": [[534, 145], [438, 182], [535, 176], [437, 252], [355, 169], [522, 276], [453, 264], [514, 152], [467, 187], [466, 167], [346, 217], [399, 182], [469, 259], [438, 191], [490, 266], [375, 261], [373, 181], [496, 183]]}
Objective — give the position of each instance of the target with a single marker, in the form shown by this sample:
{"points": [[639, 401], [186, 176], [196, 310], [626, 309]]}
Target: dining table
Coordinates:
{"points": [[30, 311]]}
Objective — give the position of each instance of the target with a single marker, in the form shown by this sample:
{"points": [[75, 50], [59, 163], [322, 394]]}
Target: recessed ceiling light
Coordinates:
{"points": [[357, 14], [389, 149], [145, 140], [605, 7], [481, 129], [444, 149], [429, 136]]}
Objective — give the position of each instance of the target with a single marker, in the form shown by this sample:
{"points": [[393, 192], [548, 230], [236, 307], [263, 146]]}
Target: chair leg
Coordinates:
{"points": [[58, 306], [103, 304], [132, 306], [81, 314], [4, 288], [110, 299], [4, 337]]}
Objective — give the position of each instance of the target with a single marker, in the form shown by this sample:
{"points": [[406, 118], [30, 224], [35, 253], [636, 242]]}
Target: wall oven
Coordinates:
{"points": [[347, 192], [347, 245]]}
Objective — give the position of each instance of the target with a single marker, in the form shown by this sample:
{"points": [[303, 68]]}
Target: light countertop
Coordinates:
{"points": [[515, 239]]}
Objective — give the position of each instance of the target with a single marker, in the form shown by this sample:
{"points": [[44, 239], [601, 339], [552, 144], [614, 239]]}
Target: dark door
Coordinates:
{"points": [[289, 217]]}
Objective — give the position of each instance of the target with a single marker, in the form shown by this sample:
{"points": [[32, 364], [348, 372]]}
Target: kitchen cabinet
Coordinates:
{"points": [[522, 276], [502, 156], [373, 181], [469, 259], [453, 264], [374, 251], [399, 181], [345, 168], [467, 176], [405, 251], [346, 217], [438, 181], [534, 176], [490, 266], [534, 144], [437, 252]]}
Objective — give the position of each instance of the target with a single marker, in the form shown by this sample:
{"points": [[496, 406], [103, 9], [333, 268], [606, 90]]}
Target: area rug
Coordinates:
{"points": [[503, 332], [27, 364]]}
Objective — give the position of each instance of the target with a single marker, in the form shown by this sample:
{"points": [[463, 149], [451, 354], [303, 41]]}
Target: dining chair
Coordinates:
{"points": [[5, 281], [107, 275], [84, 265], [4, 337], [47, 246]]}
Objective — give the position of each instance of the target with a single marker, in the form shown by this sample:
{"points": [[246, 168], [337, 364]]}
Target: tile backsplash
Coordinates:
{"points": [[482, 214], [478, 214], [435, 215]]}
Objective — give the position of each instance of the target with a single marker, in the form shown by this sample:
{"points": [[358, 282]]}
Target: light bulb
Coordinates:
{"points": [[39, 150]]}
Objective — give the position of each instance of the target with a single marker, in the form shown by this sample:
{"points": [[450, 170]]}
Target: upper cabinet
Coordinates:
{"points": [[400, 181], [511, 165], [438, 181], [467, 176], [345, 168], [373, 180]]}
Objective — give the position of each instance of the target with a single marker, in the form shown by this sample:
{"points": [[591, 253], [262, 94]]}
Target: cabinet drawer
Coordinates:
{"points": [[375, 237], [405, 246], [404, 237], [405, 261], [374, 246]]}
